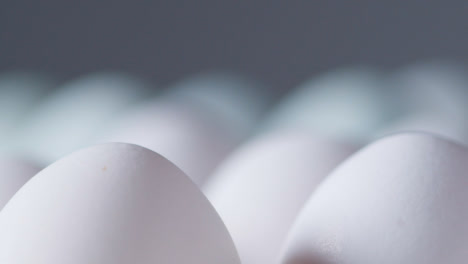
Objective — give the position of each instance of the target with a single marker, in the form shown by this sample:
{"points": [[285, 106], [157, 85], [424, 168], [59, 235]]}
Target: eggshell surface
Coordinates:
{"points": [[112, 204], [261, 187], [401, 200]]}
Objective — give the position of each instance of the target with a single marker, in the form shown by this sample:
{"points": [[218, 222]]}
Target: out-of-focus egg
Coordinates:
{"points": [[71, 116], [347, 103], [260, 188], [193, 139], [14, 173], [435, 88], [435, 97], [112, 204], [240, 101], [19, 93], [399, 200], [196, 123]]}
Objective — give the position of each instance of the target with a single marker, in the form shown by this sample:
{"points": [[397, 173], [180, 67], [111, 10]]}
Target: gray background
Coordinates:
{"points": [[278, 42]]}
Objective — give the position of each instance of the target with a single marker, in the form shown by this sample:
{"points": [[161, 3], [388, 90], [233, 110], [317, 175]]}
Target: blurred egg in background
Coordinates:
{"points": [[70, 117], [240, 101], [20, 92], [189, 137], [438, 87], [434, 96], [348, 103], [196, 123]]}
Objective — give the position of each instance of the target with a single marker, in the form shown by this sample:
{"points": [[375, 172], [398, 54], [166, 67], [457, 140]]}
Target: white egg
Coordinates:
{"points": [[347, 103], [19, 93], [14, 173], [240, 101], [193, 139], [70, 117], [399, 200], [260, 188], [112, 204]]}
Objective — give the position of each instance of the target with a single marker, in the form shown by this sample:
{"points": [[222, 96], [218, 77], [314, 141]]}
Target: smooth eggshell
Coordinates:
{"points": [[112, 204], [400, 200], [260, 188]]}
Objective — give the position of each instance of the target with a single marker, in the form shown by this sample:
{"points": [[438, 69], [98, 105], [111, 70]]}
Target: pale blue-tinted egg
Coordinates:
{"points": [[347, 103], [19, 94], [71, 116]]}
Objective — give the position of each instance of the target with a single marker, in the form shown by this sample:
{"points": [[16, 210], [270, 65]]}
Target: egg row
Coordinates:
{"points": [[214, 113], [297, 191], [291, 199]]}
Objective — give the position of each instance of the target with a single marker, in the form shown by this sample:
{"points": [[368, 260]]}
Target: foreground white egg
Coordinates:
{"points": [[259, 190], [19, 93], [71, 116], [347, 103], [112, 204], [14, 173], [240, 101], [400, 200]]}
